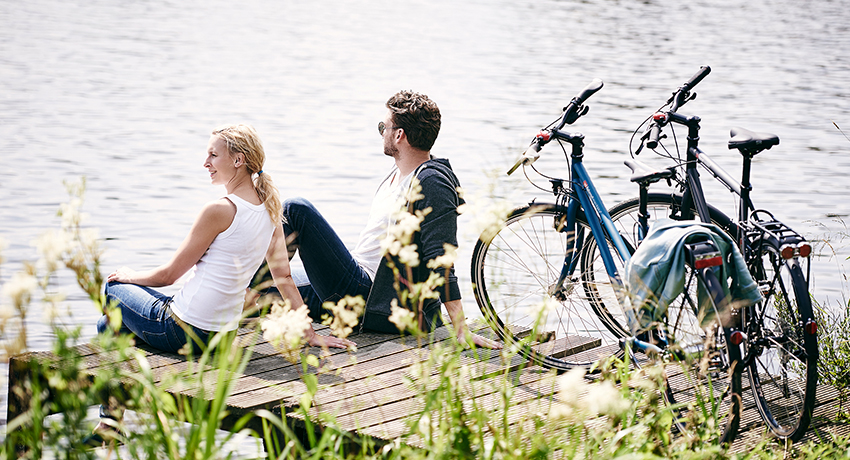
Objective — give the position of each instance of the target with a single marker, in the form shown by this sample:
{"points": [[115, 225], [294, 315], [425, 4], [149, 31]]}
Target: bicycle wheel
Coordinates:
{"points": [[702, 373], [625, 218], [514, 273], [783, 374]]}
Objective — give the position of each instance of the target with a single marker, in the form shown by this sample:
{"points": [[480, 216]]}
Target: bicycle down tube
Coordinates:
{"points": [[596, 213]]}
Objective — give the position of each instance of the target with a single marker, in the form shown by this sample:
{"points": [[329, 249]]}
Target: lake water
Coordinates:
{"points": [[126, 93]]}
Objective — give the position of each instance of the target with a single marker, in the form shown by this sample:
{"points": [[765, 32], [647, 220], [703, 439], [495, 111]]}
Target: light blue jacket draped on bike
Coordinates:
{"points": [[655, 274]]}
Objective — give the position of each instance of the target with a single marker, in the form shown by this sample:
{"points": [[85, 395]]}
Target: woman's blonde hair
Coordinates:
{"points": [[243, 139]]}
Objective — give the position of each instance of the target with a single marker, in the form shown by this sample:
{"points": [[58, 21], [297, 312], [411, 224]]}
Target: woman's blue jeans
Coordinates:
{"points": [[332, 271], [146, 313]]}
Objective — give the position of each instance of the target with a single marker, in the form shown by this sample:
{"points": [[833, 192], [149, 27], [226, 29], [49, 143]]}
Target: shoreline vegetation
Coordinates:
{"points": [[615, 413]]}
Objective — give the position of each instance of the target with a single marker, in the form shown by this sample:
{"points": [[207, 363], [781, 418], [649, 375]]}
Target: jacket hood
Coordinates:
{"points": [[439, 166]]}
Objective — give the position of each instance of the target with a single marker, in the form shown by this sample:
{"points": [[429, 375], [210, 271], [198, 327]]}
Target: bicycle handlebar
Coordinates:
{"points": [[678, 99], [572, 112], [701, 73]]}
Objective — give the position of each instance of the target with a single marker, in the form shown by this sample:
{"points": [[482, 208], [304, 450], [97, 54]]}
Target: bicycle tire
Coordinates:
{"points": [[703, 390], [625, 218], [783, 373], [513, 268]]}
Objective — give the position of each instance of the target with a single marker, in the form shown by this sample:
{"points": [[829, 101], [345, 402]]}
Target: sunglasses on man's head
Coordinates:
{"points": [[382, 127]]}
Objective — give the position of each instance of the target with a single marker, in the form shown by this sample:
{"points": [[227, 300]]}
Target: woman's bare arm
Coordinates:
{"points": [[278, 260], [213, 219]]}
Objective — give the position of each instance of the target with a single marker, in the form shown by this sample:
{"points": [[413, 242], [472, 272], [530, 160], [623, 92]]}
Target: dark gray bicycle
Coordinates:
{"points": [[780, 349]]}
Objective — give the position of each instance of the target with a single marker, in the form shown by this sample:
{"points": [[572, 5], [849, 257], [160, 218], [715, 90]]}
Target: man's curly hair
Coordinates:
{"points": [[418, 116]]}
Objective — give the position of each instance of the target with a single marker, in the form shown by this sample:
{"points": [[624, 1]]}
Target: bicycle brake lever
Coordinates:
{"points": [[670, 179]]}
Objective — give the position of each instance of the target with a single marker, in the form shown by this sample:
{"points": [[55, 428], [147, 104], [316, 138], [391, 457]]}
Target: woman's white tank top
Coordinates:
{"points": [[214, 294]]}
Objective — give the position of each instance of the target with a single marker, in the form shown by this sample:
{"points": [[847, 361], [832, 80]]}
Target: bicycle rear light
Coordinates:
{"points": [[709, 261], [737, 338], [811, 327], [788, 251]]}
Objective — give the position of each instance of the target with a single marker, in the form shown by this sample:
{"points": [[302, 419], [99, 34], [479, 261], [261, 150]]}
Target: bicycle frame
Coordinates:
{"points": [[584, 195], [693, 196]]}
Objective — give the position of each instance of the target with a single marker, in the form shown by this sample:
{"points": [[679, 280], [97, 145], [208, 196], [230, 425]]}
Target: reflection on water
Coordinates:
{"points": [[126, 94]]}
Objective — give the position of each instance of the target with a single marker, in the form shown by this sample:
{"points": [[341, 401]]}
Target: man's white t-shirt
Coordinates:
{"points": [[368, 252]]}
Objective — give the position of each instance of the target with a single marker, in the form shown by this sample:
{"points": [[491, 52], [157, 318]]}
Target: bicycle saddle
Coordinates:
{"points": [[643, 173], [747, 141]]}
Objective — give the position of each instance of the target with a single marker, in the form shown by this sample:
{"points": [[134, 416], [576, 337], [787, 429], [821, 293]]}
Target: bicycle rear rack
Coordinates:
{"points": [[791, 244]]}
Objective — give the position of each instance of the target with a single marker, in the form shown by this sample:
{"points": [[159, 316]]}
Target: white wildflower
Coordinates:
{"points": [[6, 313], [460, 192], [571, 388], [580, 400], [404, 319], [572, 385], [409, 256], [20, 288], [424, 426], [428, 288], [390, 246], [284, 328], [90, 239], [346, 315], [405, 226], [70, 213], [446, 260], [414, 191], [52, 246], [489, 222], [604, 398]]}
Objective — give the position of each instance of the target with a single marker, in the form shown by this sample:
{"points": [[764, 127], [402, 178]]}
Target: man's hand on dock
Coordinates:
{"points": [[316, 340]]}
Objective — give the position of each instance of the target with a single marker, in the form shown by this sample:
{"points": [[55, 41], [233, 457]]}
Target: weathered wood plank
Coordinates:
{"points": [[372, 360]]}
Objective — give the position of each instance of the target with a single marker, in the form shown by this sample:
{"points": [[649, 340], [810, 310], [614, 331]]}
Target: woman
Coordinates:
{"points": [[225, 246]]}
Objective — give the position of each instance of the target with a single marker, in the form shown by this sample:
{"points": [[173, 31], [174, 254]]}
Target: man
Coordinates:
{"points": [[409, 130]]}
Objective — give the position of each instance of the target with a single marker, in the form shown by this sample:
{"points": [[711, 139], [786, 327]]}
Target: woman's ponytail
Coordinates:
{"points": [[269, 194]]}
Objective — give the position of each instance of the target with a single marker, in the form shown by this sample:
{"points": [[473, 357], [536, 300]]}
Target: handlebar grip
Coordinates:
{"points": [[531, 154], [588, 91], [702, 73], [573, 110], [654, 135]]}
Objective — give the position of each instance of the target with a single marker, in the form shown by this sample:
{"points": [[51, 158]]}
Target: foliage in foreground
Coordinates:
{"points": [[468, 407]]}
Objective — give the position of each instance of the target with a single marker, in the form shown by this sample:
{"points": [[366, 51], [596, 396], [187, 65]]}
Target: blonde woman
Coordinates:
{"points": [[227, 243]]}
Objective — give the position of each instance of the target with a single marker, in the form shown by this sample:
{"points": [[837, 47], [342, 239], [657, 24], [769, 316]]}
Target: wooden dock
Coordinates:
{"points": [[367, 393]]}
